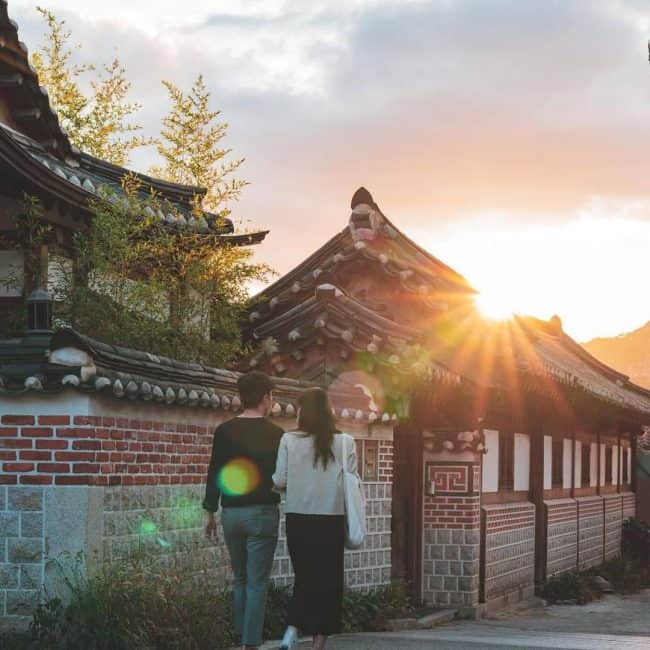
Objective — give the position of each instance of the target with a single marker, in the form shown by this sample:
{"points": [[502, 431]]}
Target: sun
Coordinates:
{"points": [[496, 305]]}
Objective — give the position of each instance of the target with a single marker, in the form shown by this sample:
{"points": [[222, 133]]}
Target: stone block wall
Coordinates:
{"points": [[590, 531], [629, 505], [613, 525], [561, 536], [508, 540], [451, 536], [367, 567], [21, 548]]}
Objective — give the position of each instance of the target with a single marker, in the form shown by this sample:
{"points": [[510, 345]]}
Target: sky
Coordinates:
{"points": [[508, 138]]}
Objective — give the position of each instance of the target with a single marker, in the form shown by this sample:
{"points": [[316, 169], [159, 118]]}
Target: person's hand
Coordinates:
{"points": [[211, 528]]}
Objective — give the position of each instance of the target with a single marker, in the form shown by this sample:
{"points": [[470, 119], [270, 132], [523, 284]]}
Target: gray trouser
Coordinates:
{"points": [[251, 535]]}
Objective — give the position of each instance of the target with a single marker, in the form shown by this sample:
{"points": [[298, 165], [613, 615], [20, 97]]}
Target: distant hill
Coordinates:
{"points": [[629, 353]]}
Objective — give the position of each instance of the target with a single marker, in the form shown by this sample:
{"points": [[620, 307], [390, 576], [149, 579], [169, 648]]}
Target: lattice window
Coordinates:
{"points": [[557, 462], [506, 460]]}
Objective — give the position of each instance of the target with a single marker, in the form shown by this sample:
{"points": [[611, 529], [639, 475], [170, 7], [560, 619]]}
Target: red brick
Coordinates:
{"points": [[8, 432], [127, 480], [73, 479], [37, 432], [51, 444], [56, 420], [36, 479], [54, 468], [85, 468], [8, 479], [87, 444], [108, 422], [15, 443], [18, 467], [35, 455], [102, 456], [8, 455], [106, 468], [115, 480], [18, 419], [99, 480], [87, 420], [71, 432], [79, 456]]}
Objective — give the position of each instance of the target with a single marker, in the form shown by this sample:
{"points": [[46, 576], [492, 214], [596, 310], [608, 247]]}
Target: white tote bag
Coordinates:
{"points": [[355, 504]]}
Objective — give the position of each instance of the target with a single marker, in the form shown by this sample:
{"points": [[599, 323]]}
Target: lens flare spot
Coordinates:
{"points": [[147, 527], [240, 476]]}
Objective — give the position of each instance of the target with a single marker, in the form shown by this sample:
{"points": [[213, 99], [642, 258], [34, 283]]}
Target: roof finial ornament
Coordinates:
{"points": [[366, 218], [362, 196]]}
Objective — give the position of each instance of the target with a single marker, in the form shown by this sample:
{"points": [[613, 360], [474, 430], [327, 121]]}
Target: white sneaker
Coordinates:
{"points": [[290, 638]]}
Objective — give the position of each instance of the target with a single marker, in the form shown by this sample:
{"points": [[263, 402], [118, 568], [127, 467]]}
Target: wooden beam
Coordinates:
{"points": [[11, 80], [23, 114]]}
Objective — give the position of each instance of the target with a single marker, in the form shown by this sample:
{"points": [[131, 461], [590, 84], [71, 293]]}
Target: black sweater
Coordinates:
{"points": [[244, 452]]}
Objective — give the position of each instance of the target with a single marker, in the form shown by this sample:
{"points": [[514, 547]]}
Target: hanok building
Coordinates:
{"points": [[104, 450], [514, 453]]}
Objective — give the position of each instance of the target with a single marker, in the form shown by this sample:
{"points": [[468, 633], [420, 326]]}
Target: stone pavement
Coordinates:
{"points": [[613, 623]]}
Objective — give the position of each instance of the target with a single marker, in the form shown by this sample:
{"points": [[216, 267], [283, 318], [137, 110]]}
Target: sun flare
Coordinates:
{"points": [[495, 305]]}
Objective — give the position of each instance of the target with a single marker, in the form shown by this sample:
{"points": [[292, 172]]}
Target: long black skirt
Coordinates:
{"points": [[316, 545]]}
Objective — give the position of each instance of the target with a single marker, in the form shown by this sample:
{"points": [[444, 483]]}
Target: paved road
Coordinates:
{"points": [[613, 623]]}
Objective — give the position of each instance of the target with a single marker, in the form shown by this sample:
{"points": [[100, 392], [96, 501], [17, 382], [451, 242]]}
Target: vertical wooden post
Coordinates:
{"points": [[537, 497]]}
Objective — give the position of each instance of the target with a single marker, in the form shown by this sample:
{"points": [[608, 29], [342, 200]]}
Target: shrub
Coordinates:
{"points": [[135, 605], [636, 541], [570, 586]]}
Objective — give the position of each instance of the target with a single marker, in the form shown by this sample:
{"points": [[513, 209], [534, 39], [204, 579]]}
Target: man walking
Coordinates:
{"points": [[244, 452]]}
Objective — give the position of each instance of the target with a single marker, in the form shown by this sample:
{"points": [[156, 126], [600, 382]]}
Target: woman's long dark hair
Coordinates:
{"points": [[316, 419]]}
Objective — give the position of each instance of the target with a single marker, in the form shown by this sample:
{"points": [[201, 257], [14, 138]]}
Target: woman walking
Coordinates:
{"points": [[309, 469]]}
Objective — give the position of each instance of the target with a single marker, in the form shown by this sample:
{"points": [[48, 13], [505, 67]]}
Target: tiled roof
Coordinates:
{"points": [[39, 150], [69, 360]]}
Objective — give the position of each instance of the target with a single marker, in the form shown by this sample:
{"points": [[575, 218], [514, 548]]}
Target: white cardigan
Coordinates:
{"points": [[312, 490]]}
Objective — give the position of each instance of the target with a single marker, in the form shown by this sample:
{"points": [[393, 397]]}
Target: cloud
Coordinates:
{"points": [[446, 110]]}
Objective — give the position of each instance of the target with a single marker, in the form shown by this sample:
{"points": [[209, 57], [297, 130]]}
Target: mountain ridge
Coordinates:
{"points": [[628, 353]]}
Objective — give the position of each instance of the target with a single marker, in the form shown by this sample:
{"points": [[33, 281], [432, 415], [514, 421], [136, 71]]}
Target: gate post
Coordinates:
{"points": [[452, 521]]}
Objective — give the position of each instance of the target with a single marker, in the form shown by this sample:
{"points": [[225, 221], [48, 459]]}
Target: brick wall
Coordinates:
{"points": [[561, 536], [145, 480], [590, 531], [509, 541], [451, 535], [95, 450]]}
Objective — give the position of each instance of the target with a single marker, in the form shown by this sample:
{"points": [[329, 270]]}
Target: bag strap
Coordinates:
{"points": [[344, 448]]}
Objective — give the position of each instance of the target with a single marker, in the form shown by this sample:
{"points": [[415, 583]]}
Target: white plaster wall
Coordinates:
{"points": [[490, 481], [603, 452], [567, 462], [577, 465], [593, 464], [69, 402], [614, 452], [548, 462], [522, 462], [11, 274]]}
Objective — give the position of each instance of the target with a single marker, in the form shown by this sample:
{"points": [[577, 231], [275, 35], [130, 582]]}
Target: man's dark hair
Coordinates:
{"points": [[252, 388]]}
